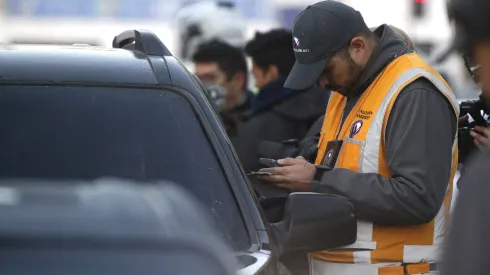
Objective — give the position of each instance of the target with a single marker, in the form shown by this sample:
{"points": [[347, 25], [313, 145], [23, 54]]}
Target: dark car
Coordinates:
{"points": [[107, 226], [135, 113]]}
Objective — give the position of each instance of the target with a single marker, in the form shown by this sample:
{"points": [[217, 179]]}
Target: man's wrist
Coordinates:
{"points": [[320, 171], [317, 177]]}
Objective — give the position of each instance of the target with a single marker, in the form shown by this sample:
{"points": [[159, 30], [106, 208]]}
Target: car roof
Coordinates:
{"points": [[74, 64], [137, 57]]}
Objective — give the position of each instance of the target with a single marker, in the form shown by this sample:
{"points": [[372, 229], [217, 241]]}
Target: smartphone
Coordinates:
{"points": [[260, 174], [269, 162]]}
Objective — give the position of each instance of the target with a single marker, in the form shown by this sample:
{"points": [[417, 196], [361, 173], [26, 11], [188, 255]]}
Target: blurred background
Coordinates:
{"points": [[96, 22]]}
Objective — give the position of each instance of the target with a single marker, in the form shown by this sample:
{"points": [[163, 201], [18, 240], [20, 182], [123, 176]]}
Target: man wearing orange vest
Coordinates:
{"points": [[388, 142]]}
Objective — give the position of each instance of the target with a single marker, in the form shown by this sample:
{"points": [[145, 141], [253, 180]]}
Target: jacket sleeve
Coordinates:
{"points": [[419, 138], [308, 147], [467, 246]]}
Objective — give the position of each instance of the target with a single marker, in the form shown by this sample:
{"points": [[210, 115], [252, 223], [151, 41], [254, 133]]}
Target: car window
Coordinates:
{"points": [[54, 132]]}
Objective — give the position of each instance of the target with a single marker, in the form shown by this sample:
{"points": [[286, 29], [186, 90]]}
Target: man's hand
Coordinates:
{"points": [[462, 120], [294, 174], [481, 137]]}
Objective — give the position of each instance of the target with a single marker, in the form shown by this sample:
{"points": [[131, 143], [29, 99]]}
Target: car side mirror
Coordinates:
{"points": [[314, 222]]}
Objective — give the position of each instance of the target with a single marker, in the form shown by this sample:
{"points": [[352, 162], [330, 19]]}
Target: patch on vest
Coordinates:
{"points": [[363, 114], [356, 128]]}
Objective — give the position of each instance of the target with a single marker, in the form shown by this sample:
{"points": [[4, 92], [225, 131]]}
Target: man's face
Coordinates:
{"points": [[481, 54], [345, 67], [210, 74], [263, 76], [341, 73]]}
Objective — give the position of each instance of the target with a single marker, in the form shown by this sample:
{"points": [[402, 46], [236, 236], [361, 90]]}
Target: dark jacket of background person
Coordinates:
{"points": [[467, 245], [306, 147], [289, 117], [277, 113]]}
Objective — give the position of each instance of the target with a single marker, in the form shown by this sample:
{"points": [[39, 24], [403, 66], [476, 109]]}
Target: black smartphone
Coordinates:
{"points": [[269, 162], [260, 174]]}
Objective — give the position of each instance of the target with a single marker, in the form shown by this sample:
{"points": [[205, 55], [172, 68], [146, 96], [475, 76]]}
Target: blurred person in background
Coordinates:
{"points": [[387, 142], [467, 247], [223, 67], [480, 131], [277, 114], [201, 21]]}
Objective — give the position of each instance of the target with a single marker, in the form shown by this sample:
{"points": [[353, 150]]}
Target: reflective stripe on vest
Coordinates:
{"points": [[370, 159], [363, 151]]}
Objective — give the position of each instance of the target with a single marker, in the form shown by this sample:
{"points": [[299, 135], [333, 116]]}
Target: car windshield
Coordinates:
{"points": [[74, 132]]}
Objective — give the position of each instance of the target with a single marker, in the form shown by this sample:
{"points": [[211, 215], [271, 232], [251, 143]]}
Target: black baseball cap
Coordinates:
{"points": [[319, 32]]}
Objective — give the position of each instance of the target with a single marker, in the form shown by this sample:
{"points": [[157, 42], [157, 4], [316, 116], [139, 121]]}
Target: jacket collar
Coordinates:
{"points": [[272, 94], [389, 48]]}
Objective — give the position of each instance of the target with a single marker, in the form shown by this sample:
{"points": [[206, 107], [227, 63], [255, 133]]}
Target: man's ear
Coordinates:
{"points": [[358, 50], [357, 44], [273, 72]]}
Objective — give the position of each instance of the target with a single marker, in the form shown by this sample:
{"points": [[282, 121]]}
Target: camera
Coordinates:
{"points": [[475, 108]]}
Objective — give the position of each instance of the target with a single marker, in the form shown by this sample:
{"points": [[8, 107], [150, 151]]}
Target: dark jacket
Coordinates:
{"points": [[307, 147], [419, 138], [233, 119], [278, 114], [467, 246]]}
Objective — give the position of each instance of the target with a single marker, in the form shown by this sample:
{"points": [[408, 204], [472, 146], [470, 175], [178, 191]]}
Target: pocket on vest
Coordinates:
{"points": [[350, 154]]}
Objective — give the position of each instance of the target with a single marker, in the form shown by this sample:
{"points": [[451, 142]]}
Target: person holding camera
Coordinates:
{"points": [[387, 142], [467, 246], [479, 133], [473, 135]]}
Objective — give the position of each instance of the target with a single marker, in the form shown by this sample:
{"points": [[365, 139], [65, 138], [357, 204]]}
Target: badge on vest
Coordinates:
{"points": [[332, 153], [356, 128]]}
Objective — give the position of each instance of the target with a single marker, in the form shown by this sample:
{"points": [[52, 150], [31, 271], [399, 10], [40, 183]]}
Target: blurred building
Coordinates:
{"points": [[95, 22]]}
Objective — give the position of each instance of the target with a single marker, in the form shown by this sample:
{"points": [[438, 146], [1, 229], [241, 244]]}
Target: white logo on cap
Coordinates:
{"points": [[296, 41]]}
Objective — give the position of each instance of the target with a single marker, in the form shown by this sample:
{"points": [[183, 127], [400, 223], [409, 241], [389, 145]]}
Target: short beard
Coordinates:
{"points": [[355, 71]]}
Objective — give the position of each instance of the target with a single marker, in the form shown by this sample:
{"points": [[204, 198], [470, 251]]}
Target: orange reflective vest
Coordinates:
{"points": [[363, 151]]}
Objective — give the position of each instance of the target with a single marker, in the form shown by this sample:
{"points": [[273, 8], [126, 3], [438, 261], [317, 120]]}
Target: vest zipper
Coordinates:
{"points": [[341, 123]]}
